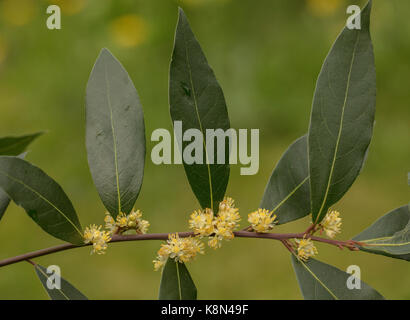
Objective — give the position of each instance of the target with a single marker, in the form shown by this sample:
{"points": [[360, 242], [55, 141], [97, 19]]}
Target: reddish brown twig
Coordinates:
{"points": [[350, 244]]}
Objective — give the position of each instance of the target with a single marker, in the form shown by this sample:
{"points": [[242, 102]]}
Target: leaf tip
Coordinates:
{"points": [[40, 133], [180, 11], [105, 53], [181, 16]]}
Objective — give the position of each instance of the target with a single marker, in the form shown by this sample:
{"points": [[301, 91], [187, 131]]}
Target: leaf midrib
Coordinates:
{"points": [[114, 138], [199, 120], [316, 277], [340, 131], [291, 194], [43, 198], [179, 281], [46, 276], [387, 244]]}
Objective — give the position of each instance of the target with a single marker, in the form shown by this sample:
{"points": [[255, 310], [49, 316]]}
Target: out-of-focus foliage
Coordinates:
{"points": [[266, 55], [66, 290]]}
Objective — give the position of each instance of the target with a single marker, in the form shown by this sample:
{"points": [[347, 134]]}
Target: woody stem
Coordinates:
{"points": [[164, 236]]}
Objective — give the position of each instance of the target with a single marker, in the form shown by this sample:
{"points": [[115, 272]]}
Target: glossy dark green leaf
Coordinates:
{"points": [[4, 202], [13, 146], [320, 281], [288, 192], [115, 134], [41, 197], [389, 235], [176, 282], [66, 292], [342, 118], [4, 198], [196, 99]]}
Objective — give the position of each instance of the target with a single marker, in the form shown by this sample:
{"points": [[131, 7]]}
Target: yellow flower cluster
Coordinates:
{"points": [[262, 220], [180, 249], [225, 223], [331, 223], [204, 224], [306, 249], [132, 221], [217, 228], [93, 234]]}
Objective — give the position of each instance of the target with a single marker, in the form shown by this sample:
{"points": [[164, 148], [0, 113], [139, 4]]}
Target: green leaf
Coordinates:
{"points": [[115, 134], [342, 118], [196, 99], [389, 235], [42, 198], [4, 202], [4, 198], [176, 282], [13, 146], [320, 281], [67, 290], [288, 192]]}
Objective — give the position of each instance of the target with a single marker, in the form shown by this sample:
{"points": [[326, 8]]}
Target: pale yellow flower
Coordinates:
{"points": [[306, 249], [201, 222], [92, 232], [214, 243], [228, 217], [132, 221], [158, 264], [223, 231], [331, 223], [262, 220], [122, 220], [224, 223], [98, 238], [226, 203], [109, 222], [135, 215], [179, 249], [100, 244], [143, 226]]}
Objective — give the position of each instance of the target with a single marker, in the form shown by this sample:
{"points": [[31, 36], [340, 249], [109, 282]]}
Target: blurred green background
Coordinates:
{"points": [[267, 55]]}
